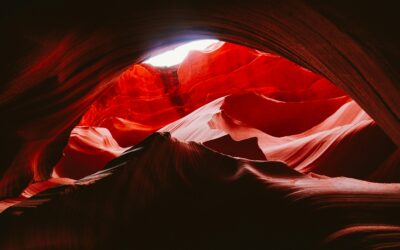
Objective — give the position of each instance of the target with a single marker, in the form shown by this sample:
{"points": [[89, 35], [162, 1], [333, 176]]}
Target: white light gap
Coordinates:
{"points": [[178, 54]]}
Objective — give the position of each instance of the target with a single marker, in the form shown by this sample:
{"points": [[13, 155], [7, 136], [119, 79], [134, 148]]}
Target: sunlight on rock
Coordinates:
{"points": [[177, 55]]}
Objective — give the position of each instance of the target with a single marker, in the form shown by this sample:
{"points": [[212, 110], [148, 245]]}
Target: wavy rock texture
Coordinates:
{"points": [[290, 100], [230, 177], [338, 146], [200, 199], [89, 149], [58, 58], [297, 116]]}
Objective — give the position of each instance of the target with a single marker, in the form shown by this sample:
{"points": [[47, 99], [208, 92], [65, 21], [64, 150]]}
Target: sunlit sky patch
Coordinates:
{"points": [[178, 54]]}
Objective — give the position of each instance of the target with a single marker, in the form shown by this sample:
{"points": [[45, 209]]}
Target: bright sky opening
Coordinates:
{"points": [[178, 54]]}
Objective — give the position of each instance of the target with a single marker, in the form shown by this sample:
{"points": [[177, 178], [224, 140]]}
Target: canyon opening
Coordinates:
{"points": [[199, 126], [234, 100]]}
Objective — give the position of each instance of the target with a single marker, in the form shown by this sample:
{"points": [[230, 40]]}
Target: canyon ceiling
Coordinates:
{"points": [[60, 58]]}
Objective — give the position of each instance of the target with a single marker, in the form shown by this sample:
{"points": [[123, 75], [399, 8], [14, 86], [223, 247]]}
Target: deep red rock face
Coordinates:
{"points": [[233, 149], [230, 124], [292, 114], [232, 132]]}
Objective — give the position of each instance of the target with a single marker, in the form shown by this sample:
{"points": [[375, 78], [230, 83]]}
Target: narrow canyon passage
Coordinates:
{"points": [[258, 113], [281, 131], [293, 115]]}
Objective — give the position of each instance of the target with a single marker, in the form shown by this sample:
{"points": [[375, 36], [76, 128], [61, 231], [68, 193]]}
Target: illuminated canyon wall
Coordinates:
{"points": [[250, 148], [297, 116]]}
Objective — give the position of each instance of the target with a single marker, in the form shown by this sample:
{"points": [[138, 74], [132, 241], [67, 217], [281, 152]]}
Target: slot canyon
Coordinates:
{"points": [[281, 132]]}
